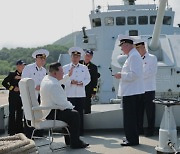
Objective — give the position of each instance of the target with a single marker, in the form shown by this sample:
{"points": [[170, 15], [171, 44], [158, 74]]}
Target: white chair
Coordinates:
{"points": [[33, 111]]}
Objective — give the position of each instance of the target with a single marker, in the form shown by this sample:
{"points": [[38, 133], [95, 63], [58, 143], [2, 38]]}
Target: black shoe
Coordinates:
{"points": [[82, 145], [124, 139], [126, 143]]}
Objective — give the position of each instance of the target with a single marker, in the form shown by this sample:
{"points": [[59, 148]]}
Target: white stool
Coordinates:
{"points": [[167, 131]]}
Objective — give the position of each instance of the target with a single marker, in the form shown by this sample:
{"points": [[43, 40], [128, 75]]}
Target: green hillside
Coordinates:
{"points": [[8, 57]]}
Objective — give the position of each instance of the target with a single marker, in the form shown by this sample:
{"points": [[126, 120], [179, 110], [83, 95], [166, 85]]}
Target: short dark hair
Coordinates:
{"points": [[54, 67]]}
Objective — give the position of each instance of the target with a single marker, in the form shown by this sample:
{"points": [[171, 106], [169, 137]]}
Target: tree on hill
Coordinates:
{"points": [[8, 57]]}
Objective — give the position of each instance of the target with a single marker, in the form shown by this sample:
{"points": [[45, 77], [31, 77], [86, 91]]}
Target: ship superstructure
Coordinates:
{"points": [[129, 19]]}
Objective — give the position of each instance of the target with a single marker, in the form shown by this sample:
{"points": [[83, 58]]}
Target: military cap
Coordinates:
{"points": [[40, 53], [76, 51], [139, 42], [125, 39], [87, 51], [20, 62]]}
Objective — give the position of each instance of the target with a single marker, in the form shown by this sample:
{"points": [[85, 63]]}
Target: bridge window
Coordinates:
{"points": [[131, 20], [167, 20], [96, 22], [143, 20], [120, 21], [152, 19], [109, 21], [133, 33]]}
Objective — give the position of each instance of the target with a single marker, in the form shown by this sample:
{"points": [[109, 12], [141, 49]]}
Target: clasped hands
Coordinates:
{"points": [[77, 82]]}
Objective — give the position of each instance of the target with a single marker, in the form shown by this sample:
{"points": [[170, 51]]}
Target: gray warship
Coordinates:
{"points": [[146, 21], [150, 22]]}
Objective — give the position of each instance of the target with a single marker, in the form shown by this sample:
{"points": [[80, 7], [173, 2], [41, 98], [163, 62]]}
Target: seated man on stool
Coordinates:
{"points": [[53, 94]]}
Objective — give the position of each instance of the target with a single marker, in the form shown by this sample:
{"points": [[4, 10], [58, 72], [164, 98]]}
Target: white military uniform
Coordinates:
{"points": [[33, 71], [146, 102], [149, 71], [131, 82], [80, 74], [76, 93], [37, 74], [131, 87]]}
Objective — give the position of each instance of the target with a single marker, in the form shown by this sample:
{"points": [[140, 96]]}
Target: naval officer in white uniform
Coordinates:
{"points": [[36, 71], [75, 88], [146, 103], [131, 88]]}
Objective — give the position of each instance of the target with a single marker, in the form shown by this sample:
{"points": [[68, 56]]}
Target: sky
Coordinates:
{"points": [[32, 23]]}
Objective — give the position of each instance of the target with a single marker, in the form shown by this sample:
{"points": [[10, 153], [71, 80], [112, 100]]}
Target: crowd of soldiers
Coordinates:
{"points": [[72, 87]]}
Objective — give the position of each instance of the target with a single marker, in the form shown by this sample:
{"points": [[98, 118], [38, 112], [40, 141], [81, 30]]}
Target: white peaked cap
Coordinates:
{"points": [[40, 51], [139, 41], [125, 39], [76, 49]]}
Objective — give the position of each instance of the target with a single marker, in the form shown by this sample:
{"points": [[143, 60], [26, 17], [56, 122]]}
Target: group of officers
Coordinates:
{"points": [[137, 89], [79, 89], [78, 84]]}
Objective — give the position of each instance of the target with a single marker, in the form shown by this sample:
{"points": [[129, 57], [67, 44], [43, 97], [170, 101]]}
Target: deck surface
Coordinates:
{"points": [[101, 141]]}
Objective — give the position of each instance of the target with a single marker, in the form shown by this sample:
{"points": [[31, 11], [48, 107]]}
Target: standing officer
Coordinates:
{"points": [[146, 103], [15, 104], [91, 88], [37, 72], [75, 88], [131, 87]]}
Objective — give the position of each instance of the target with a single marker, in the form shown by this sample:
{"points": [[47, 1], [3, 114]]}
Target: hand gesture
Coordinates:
{"points": [[16, 89], [71, 71], [74, 82], [80, 83]]}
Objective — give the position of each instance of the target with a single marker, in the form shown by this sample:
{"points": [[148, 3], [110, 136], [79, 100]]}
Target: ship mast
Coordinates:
{"points": [[93, 5]]}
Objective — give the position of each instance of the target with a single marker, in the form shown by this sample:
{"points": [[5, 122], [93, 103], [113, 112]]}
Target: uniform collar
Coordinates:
{"points": [[75, 65], [52, 78], [18, 73], [87, 64], [145, 56], [38, 68]]}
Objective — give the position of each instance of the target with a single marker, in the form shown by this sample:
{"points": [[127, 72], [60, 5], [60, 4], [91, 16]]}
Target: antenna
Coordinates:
{"points": [[93, 5]]}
